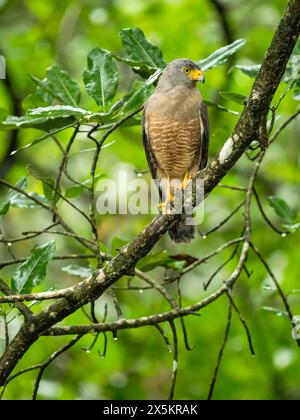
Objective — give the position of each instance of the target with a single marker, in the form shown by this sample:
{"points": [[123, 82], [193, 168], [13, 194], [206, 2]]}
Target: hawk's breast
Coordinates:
{"points": [[175, 144]]}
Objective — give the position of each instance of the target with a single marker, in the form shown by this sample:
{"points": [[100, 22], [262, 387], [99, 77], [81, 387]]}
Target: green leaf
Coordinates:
{"points": [[293, 228], [251, 71], [159, 259], [57, 85], [222, 55], [22, 202], [62, 86], [138, 67], [77, 270], [234, 97], [33, 101], [44, 95], [48, 190], [45, 118], [33, 271], [137, 98], [139, 51], [58, 111], [101, 77], [43, 92], [276, 311], [282, 209], [18, 200], [75, 191], [220, 107]]}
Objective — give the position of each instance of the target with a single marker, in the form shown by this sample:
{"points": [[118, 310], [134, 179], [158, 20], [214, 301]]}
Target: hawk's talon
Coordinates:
{"points": [[164, 206]]}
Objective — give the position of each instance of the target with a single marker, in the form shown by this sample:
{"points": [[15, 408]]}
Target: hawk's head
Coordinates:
{"points": [[181, 72]]}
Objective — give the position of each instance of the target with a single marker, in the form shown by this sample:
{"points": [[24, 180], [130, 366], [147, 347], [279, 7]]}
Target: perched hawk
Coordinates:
{"points": [[176, 133]]}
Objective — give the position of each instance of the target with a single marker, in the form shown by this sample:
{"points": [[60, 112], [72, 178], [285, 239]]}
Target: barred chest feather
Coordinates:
{"points": [[174, 128]]}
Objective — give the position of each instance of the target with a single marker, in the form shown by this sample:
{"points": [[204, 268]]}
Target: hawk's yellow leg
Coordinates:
{"points": [[169, 198], [186, 180]]}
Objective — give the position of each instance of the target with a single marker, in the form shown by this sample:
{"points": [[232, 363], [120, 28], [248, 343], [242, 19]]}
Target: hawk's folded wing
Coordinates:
{"points": [[147, 146], [204, 143]]}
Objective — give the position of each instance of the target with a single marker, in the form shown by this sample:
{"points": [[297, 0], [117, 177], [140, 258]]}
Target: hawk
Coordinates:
{"points": [[176, 134]]}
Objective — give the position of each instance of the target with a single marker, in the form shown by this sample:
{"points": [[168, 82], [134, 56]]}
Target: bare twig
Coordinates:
{"points": [[223, 222], [278, 287], [243, 322], [53, 356], [175, 360], [220, 355]]}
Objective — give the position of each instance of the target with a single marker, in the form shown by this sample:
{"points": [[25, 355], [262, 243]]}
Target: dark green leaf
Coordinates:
{"points": [[44, 96], [234, 97], [251, 71], [77, 270], [18, 200], [222, 55], [46, 118], [57, 85], [58, 111], [62, 86], [137, 98], [282, 209], [33, 271], [75, 191], [139, 51], [101, 77], [4, 207]]}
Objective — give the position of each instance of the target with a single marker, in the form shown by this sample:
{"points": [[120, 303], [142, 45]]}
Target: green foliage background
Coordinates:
{"points": [[35, 35]]}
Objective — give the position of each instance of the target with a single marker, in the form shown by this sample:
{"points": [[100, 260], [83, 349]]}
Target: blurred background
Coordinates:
{"points": [[36, 34]]}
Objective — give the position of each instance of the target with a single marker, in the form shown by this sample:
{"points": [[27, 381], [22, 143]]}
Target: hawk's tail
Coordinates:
{"points": [[183, 231]]}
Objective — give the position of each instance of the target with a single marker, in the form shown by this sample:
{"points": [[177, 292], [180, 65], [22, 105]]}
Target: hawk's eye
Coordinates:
{"points": [[186, 69]]}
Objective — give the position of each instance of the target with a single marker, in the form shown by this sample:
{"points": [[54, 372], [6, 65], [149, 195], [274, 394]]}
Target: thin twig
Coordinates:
{"points": [[223, 222], [175, 360], [243, 322], [220, 355], [278, 287], [61, 168], [44, 365]]}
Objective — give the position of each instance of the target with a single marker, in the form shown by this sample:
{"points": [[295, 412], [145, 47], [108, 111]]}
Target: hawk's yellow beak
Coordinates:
{"points": [[198, 75]]}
